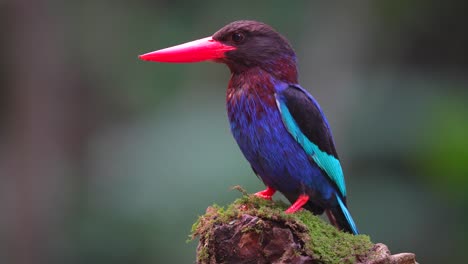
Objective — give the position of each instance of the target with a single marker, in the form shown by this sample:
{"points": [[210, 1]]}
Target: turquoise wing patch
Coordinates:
{"points": [[326, 162]]}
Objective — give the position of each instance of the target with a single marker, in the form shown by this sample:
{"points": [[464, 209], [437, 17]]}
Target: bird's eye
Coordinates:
{"points": [[238, 37]]}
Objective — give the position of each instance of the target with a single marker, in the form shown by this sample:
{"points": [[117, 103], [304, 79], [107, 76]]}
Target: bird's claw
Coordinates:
{"points": [[266, 194], [263, 196]]}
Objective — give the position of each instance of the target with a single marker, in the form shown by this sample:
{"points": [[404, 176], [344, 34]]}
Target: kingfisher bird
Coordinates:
{"points": [[278, 125]]}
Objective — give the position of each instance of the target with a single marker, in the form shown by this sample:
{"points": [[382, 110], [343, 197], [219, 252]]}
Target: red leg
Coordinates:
{"points": [[301, 200], [266, 194]]}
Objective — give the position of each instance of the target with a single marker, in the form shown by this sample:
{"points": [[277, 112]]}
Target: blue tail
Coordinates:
{"points": [[341, 218]]}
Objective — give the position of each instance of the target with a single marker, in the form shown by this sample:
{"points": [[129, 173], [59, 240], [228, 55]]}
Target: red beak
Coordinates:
{"points": [[194, 51]]}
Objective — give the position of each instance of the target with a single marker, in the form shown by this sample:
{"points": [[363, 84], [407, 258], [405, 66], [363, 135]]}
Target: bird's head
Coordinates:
{"points": [[241, 45]]}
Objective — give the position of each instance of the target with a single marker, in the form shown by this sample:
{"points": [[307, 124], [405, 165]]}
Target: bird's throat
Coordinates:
{"points": [[283, 70]]}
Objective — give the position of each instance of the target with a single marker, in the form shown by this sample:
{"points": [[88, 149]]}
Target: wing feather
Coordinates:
{"points": [[306, 122]]}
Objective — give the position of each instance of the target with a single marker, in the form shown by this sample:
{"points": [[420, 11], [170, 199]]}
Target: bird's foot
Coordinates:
{"points": [[266, 194], [297, 204]]}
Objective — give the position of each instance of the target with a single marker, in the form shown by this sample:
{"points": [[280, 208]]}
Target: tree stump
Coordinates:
{"points": [[253, 230]]}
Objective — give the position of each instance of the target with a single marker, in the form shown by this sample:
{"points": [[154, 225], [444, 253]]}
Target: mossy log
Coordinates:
{"points": [[253, 230]]}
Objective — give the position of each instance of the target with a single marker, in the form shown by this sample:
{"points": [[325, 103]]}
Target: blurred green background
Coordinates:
{"points": [[108, 159]]}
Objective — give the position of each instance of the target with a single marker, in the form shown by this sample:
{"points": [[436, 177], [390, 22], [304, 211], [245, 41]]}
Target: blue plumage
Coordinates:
{"points": [[347, 215], [279, 151], [275, 156], [327, 162]]}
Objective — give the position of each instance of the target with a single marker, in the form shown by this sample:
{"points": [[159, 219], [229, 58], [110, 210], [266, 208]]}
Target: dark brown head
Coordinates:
{"points": [[242, 45], [257, 45]]}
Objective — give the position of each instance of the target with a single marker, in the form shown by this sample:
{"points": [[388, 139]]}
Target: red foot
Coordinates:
{"points": [[266, 194], [298, 204]]}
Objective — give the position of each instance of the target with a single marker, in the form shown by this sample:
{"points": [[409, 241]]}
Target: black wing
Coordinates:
{"points": [[310, 118]]}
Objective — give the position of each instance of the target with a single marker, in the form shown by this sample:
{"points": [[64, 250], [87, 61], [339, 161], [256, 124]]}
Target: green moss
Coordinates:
{"points": [[322, 241], [328, 243], [203, 254]]}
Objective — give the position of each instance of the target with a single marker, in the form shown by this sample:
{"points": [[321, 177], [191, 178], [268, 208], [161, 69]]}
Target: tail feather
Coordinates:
{"points": [[341, 218]]}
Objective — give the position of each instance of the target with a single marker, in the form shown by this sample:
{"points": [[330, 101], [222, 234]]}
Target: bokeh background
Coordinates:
{"points": [[108, 159]]}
